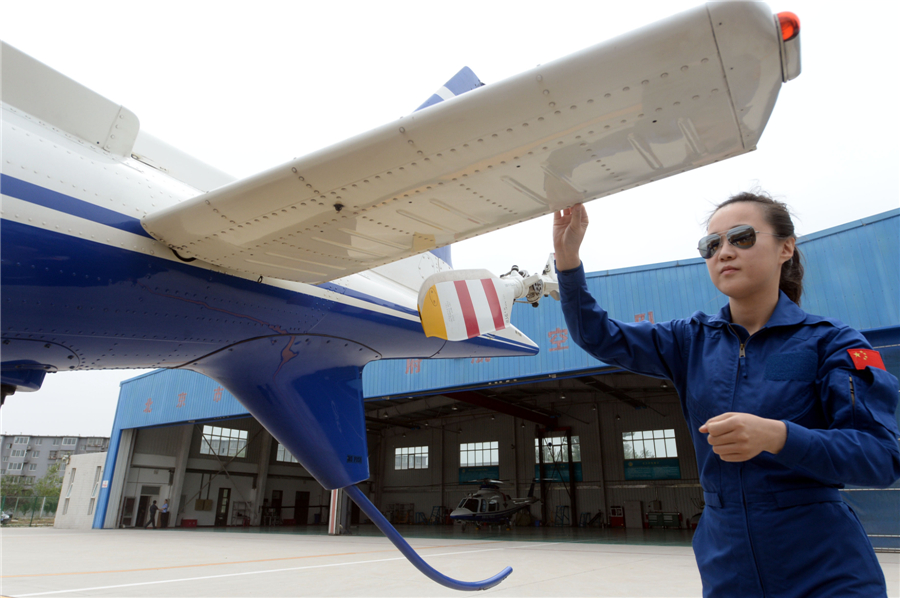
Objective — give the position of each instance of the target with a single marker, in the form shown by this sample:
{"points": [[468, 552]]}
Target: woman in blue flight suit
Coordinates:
{"points": [[783, 406]]}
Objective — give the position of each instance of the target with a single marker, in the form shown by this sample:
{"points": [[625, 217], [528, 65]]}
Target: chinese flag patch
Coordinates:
{"points": [[863, 358]]}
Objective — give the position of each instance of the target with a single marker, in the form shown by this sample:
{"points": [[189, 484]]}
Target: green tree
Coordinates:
{"points": [[13, 485], [51, 484]]}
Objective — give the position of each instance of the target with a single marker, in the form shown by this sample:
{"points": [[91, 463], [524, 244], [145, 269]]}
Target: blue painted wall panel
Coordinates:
{"points": [[852, 274], [164, 397]]}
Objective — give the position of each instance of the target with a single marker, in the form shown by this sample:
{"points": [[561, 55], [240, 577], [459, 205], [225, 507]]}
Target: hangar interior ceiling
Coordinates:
{"points": [[542, 401]]}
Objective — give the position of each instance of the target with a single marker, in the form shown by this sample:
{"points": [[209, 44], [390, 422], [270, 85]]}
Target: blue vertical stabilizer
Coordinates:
{"points": [[463, 81], [306, 391]]}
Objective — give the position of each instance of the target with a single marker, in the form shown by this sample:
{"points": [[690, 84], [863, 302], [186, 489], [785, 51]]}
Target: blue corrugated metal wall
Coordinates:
{"points": [[852, 274], [155, 399]]}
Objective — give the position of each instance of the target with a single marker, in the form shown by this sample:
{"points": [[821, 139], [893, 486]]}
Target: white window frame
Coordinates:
{"points": [[411, 457], [17, 453], [479, 454], [557, 451], [14, 467], [224, 442], [70, 441], [21, 440], [32, 466], [282, 455], [648, 444]]}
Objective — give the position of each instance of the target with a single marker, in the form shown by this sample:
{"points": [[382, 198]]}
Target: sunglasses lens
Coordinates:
{"points": [[708, 246], [742, 237]]}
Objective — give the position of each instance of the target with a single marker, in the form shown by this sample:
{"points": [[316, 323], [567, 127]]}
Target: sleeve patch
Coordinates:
{"points": [[800, 365], [863, 358]]}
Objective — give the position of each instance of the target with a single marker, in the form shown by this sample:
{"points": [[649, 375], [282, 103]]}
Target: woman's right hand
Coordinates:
{"points": [[569, 227]]}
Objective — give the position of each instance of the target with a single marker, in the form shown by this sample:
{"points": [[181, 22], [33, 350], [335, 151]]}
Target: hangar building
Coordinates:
{"points": [[615, 444]]}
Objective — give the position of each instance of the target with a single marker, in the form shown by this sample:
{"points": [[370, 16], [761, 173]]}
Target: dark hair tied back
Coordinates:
{"points": [[778, 216]]}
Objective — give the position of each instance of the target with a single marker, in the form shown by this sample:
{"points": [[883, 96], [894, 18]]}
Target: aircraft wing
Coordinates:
{"points": [[685, 92]]}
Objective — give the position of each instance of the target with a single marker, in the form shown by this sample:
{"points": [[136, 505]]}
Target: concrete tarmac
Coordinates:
{"points": [[260, 562]]}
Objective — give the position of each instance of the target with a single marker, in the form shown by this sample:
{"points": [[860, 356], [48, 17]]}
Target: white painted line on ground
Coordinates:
{"points": [[536, 545], [150, 583]]}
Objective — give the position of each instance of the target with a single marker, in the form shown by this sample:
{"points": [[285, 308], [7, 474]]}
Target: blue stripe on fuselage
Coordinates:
{"points": [[38, 195], [69, 205]]}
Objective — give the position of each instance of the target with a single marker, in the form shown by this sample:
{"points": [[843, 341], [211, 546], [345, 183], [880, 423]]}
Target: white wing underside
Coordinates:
{"points": [[680, 94]]}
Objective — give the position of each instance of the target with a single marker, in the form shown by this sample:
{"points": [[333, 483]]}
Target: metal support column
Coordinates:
{"points": [[181, 459], [262, 476], [339, 513], [572, 498], [544, 497]]}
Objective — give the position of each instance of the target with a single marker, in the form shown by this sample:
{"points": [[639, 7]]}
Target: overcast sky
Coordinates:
{"points": [[245, 87]]}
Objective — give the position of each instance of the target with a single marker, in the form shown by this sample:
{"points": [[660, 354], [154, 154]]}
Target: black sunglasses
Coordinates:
{"points": [[742, 237]]}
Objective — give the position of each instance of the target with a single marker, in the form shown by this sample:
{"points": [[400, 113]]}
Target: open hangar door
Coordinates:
{"points": [[610, 439], [218, 473]]}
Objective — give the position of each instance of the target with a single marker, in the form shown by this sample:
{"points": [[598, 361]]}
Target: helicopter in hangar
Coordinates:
{"points": [[489, 505]]}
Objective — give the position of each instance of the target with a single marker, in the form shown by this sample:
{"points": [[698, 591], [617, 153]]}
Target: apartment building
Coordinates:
{"points": [[31, 456]]}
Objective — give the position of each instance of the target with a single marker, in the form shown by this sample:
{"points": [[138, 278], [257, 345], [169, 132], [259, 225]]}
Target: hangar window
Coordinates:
{"points": [[649, 444], [226, 442], [556, 450], [411, 457], [474, 454], [284, 455]]}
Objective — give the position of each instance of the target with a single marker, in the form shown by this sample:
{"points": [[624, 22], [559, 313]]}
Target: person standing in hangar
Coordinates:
{"points": [[784, 408]]}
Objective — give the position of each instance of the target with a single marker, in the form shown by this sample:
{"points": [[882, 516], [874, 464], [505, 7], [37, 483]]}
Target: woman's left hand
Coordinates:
{"points": [[738, 437]]}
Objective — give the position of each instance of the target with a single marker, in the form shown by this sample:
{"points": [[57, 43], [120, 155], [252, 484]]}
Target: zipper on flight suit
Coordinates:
{"points": [[742, 354], [852, 393], [742, 368]]}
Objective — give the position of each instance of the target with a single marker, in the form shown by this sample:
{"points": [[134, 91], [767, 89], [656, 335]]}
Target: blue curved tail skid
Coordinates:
{"points": [[394, 536]]}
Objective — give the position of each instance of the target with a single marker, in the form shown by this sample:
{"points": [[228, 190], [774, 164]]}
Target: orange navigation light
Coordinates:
{"points": [[790, 25]]}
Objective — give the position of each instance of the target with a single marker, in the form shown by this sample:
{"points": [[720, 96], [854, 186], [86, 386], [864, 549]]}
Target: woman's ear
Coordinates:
{"points": [[787, 250]]}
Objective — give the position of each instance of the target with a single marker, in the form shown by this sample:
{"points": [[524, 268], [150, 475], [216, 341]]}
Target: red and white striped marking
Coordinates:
{"points": [[471, 307]]}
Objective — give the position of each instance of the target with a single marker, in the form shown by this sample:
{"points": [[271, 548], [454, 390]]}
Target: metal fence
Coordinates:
{"points": [[29, 510]]}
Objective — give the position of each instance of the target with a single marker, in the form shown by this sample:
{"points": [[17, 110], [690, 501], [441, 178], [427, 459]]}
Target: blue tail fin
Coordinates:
{"points": [[463, 81]]}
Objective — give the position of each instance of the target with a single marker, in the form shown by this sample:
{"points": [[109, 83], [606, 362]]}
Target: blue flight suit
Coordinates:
{"points": [[775, 525]]}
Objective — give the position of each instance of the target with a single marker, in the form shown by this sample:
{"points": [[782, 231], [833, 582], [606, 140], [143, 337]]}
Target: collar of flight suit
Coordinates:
{"points": [[787, 313]]}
